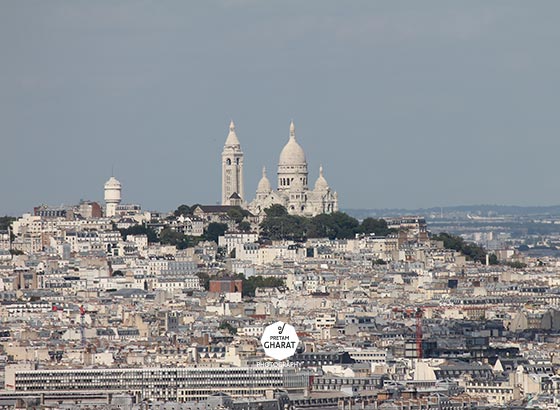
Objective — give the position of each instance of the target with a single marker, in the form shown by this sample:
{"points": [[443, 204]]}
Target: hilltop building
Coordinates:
{"points": [[292, 190]]}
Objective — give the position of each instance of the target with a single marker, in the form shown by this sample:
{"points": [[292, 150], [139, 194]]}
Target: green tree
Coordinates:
{"points": [[276, 210], [169, 236], [183, 210], [493, 259], [215, 230], [321, 226], [346, 226], [376, 226], [204, 279], [251, 284], [140, 230], [289, 227], [337, 225], [244, 226], [237, 214], [5, 222], [278, 224], [229, 327], [470, 250]]}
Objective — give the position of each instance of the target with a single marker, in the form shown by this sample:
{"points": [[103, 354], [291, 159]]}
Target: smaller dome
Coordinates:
{"points": [[112, 183], [232, 136], [264, 183], [321, 183]]}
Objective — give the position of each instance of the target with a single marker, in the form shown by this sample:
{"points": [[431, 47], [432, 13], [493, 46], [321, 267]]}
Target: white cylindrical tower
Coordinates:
{"points": [[112, 196]]}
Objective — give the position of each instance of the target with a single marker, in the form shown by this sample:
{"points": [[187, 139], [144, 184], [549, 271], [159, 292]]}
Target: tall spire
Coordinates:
{"points": [[321, 170], [232, 136], [232, 169], [292, 130], [264, 171]]}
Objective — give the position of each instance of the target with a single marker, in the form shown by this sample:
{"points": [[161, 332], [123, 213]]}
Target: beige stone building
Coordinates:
{"points": [[292, 190]]}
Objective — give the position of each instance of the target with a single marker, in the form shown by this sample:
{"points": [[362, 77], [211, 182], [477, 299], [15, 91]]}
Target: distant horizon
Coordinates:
{"points": [[342, 209], [480, 205]]}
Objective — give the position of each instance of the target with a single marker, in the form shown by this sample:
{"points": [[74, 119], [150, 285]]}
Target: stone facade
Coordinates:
{"points": [[292, 190]]}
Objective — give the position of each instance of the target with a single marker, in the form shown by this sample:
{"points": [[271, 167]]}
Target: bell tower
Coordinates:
{"points": [[232, 170]]}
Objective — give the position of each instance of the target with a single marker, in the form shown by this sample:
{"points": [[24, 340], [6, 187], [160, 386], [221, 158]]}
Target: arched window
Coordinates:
{"points": [[237, 161], [228, 161]]}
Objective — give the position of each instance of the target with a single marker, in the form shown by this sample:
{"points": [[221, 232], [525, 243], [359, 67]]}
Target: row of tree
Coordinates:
{"points": [[5, 222], [470, 250], [278, 224], [251, 284], [169, 236], [236, 214]]}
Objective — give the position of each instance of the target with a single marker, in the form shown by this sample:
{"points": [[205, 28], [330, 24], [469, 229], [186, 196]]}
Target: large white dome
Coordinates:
{"points": [[292, 154]]}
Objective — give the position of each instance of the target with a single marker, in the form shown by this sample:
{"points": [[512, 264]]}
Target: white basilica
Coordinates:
{"points": [[292, 192]]}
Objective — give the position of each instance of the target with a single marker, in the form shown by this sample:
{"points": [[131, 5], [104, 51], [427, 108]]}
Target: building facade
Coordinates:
{"points": [[166, 383]]}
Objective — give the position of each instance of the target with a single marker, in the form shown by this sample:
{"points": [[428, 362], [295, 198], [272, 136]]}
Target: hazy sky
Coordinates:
{"points": [[405, 103]]}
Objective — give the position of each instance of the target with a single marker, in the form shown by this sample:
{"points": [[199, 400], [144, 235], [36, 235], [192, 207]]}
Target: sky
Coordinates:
{"points": [[406, 104]]}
